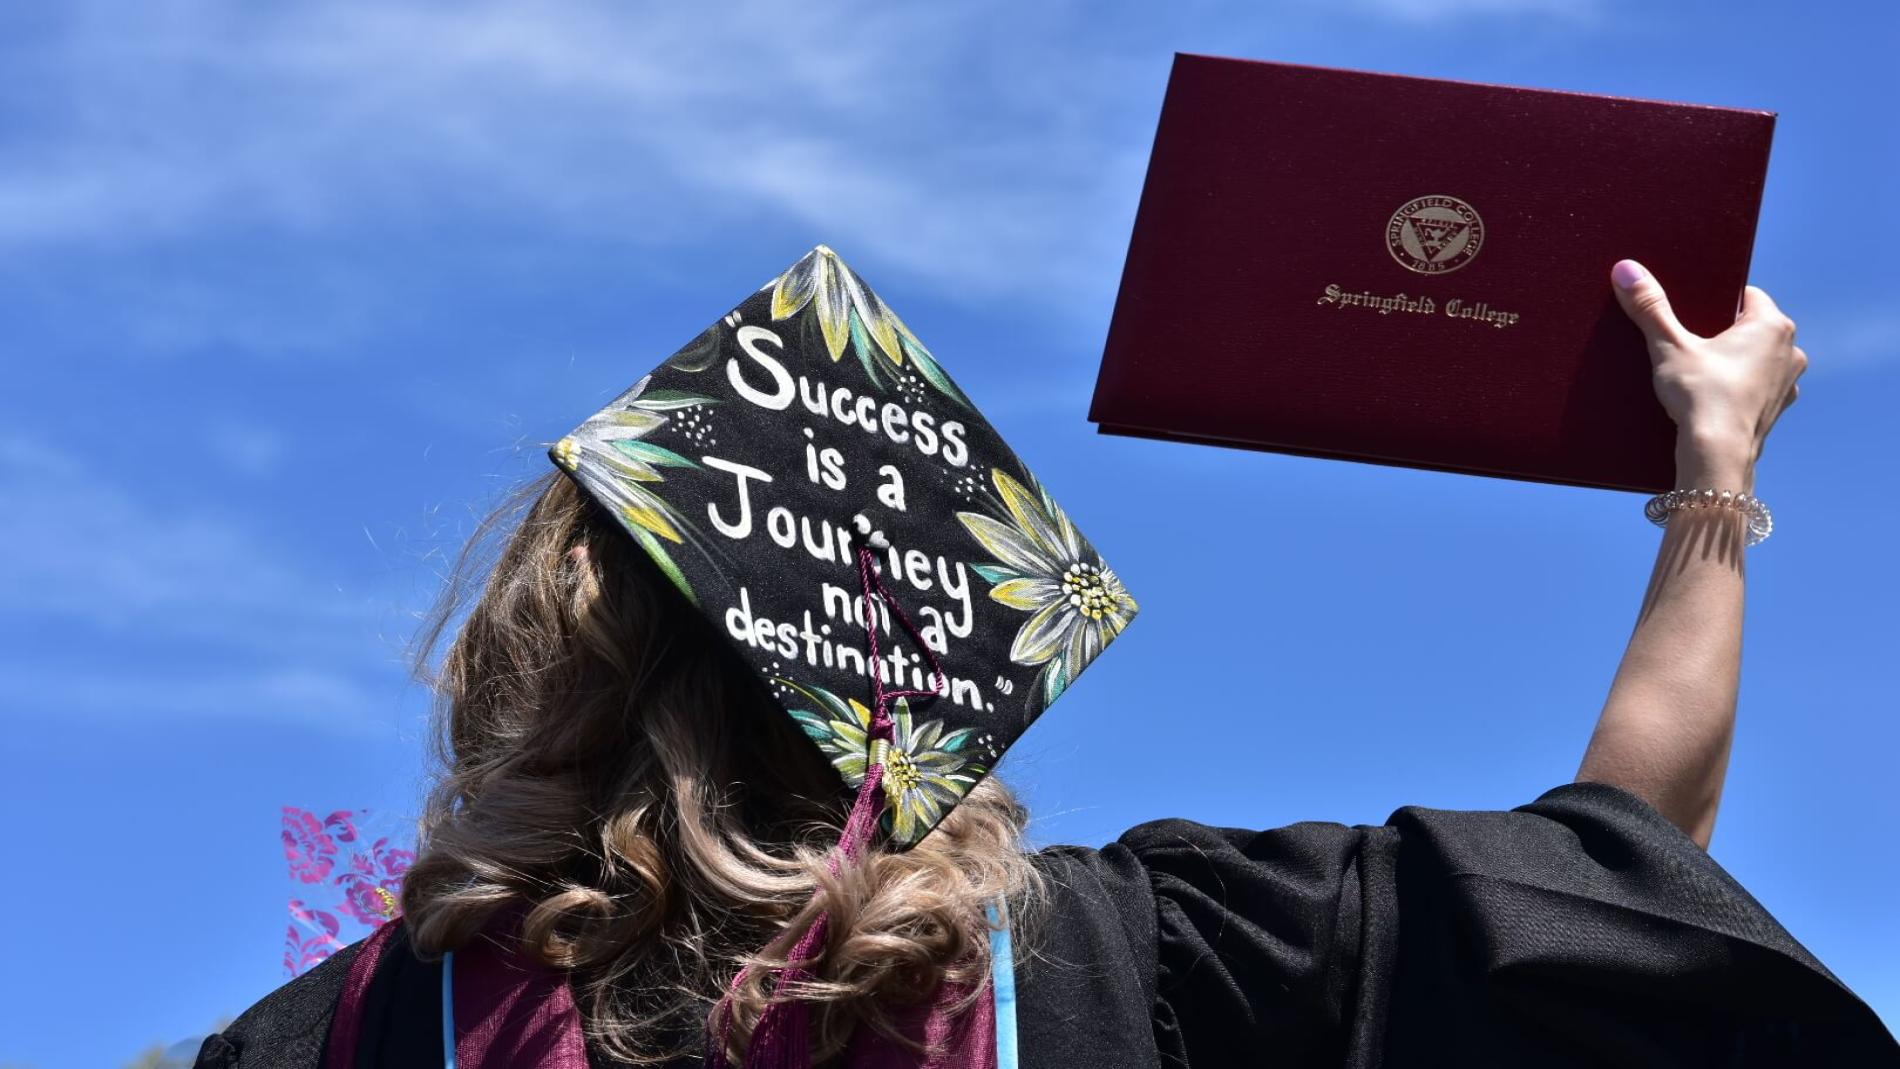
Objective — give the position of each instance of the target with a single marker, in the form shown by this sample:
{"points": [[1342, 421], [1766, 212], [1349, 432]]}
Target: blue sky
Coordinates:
{"points": [[289, 293]]}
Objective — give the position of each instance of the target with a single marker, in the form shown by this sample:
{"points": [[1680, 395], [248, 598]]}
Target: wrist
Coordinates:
{"points": [[1714, 461]]}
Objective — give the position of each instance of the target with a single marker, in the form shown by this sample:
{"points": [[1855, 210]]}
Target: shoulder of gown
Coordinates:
{"points": [[289, 1028], [1579, 929], [1085, 971], [285, 1029]]}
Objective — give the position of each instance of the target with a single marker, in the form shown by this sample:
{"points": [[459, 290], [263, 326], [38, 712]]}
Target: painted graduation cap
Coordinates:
{"points": [[802, 427]]}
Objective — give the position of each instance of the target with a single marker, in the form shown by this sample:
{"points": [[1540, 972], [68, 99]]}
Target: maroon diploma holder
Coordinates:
{"points": [[1416, 271]]}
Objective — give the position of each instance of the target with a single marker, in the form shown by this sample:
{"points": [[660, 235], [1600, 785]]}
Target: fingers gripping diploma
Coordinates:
{"points": [[1724, 393]]}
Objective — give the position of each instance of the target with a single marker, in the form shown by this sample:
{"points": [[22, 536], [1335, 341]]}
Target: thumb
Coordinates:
{"points": [[1643, 299]]}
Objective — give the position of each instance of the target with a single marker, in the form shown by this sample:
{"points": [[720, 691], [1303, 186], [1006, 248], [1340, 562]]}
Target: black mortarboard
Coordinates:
{"points": [[803, 427]]}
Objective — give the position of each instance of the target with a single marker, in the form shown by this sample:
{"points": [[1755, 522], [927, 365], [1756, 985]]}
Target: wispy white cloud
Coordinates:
{"points": [[1427, 11], [161, 611], [950, 142], [1852, 340], [79, 544], [178, 117], [246, 448], [331, 701], [326, 308]]}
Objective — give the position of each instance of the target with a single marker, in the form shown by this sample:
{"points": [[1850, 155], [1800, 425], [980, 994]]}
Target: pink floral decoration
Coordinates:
{"points": [[341, 825], [346, 885], [390, 860], [370, 901], [310, 851], [316, 941]]}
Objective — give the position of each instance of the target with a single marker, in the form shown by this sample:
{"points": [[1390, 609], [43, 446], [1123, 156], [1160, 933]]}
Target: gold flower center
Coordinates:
{"points": [[1087, 591], [900, 773]]}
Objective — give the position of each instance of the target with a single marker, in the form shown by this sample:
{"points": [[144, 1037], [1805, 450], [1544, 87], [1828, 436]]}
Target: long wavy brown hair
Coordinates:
{"points": [[618, 787]]}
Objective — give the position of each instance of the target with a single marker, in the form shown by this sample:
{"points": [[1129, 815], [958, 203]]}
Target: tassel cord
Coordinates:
{"points": [[782, 1037]]}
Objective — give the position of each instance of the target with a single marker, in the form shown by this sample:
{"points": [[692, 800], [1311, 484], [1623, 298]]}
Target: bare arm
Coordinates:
{"points": [[1666, 729]]}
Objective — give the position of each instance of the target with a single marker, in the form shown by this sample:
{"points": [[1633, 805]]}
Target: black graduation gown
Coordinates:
{"points": [[1581, 929]]}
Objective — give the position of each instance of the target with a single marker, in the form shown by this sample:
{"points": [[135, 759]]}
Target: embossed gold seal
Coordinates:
{"points": [[1434, 234]]}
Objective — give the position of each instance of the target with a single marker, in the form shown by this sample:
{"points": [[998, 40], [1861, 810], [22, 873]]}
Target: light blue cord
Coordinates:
{"points": [[1003, 982], [448, 1010]]}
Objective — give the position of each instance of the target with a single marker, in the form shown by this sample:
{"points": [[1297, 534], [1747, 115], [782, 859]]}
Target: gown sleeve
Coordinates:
{"points": [[285, 1029], [399, 1025], [1580, 929]]}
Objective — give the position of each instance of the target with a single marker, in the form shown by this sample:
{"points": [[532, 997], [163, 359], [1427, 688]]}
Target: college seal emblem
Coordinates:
{"points": [[1434, 234]]}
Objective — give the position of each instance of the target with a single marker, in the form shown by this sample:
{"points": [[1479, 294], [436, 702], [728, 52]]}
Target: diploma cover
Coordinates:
{"points": [[1415, 271]]}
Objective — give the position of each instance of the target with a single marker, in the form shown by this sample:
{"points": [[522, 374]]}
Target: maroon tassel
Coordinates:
{"points": [[782, 1038]]}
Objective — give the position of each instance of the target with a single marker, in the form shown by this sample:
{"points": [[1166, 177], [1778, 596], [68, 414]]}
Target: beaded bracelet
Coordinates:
{"points": [[1761, 522]]}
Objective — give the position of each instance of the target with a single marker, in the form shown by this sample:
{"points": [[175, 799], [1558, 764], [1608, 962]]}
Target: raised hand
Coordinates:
{"points": [[1725, 393]]}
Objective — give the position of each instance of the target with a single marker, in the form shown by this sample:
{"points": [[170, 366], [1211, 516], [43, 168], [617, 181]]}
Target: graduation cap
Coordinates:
{"points": [[809, 476], [811, 479]]}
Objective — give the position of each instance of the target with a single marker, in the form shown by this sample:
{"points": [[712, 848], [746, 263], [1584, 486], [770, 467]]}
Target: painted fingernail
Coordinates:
{"points": [[1627, 273]]}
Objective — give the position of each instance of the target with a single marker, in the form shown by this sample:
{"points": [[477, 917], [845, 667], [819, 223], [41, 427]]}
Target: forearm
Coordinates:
{"points": [[1666, 729]]}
